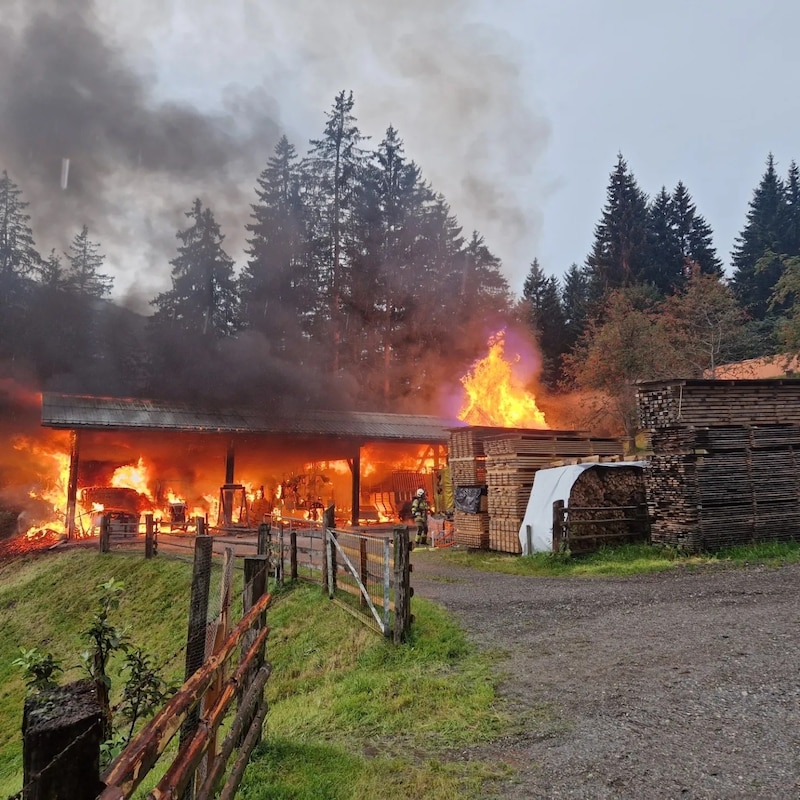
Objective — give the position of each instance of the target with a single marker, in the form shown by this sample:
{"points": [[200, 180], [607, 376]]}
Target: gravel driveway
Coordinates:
{"points": [[683, 684]]}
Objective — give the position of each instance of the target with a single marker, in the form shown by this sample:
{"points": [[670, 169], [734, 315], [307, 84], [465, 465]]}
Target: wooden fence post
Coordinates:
{"points": [[105, 534], [559, 539], [362, 552], [330, 550], [61, 737], [402, 584], [198, 622], [292, 552], [256, 569], [264, 538], [149, 536], [280, 555]]}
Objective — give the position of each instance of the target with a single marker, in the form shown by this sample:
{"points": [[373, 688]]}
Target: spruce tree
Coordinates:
{"points": [[694, 237], [203, 299], [84, 277], [664, 258], [756, 257], [336, 165], [574, 304], [278, 289], [619, 253], [18, 256], [790, 229], [541, 294]]}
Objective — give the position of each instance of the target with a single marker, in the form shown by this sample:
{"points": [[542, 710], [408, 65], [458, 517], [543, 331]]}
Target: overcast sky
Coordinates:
{"points": [[514, 110]]}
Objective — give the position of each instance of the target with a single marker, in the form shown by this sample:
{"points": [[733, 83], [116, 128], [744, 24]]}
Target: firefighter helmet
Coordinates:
{"points": [[420, 492]]}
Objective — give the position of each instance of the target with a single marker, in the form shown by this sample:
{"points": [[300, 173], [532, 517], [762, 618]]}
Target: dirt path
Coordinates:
{"points": [[684, 684]]}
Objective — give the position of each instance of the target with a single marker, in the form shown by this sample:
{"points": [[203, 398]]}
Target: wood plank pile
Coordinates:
{"points": [[719, 402], [730, 476], [599, 508], [512, 461]]}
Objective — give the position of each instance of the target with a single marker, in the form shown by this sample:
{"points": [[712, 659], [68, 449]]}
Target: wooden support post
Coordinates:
{"points": [[149, 536], [529, 540], [72, 484], [292, 552], [330, 550], [280, 556], [255, 587], [198, 622], [61, 738], [402, 584], [105, 534], [559, 537], [355, 469], [362, 552]]}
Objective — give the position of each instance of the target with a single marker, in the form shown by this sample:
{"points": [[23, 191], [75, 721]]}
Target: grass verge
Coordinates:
{"points": [[634, 559], [351, 715]]}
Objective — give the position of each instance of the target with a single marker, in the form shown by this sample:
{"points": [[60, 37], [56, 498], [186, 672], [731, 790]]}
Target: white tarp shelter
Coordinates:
{"points": [[549, 485]]}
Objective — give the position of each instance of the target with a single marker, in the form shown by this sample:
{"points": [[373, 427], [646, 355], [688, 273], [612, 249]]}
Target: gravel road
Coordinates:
{"points": [[683, 684]]}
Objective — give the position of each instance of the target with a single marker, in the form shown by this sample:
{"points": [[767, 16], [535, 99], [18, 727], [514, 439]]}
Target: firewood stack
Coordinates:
{"points": [[724, 469], [505, 460], [612, 491]]}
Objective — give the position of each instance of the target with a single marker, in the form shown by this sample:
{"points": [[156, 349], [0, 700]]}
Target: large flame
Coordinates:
{"points": [[133, 476], [495, 396]]}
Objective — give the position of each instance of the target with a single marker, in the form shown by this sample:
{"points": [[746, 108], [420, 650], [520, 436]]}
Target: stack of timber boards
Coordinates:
{"points": [[467, 460], [714, 487], [719, 402], [512, 460]]}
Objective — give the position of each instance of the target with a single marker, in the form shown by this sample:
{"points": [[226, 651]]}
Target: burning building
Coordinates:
{"points": [[235, 466]]}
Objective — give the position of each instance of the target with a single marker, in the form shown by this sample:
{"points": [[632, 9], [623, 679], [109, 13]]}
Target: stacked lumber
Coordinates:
{"points": [[719, 402], [719, 486], [471, 530]]}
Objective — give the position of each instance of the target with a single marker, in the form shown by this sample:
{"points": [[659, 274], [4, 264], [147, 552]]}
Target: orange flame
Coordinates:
{"points": [[132, 476], [495, 396]]}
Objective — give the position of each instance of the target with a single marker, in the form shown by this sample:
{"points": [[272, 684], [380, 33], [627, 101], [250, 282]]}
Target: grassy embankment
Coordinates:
{"points": [[351, 716]]}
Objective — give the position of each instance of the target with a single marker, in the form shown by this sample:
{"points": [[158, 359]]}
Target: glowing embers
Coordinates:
{"points": [[496, 394]]}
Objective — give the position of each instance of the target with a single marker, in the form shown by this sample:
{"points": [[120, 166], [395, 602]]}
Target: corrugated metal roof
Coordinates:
{"points": [[114, 413]]}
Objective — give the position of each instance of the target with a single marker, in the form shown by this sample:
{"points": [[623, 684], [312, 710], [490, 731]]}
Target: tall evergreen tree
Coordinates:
{"points": [[756, 256], [277, 288], [85, 262], [790, 230], [541, 294], [694, 236], [664, 257], [51, 272], [336, 165], [619, 253], [18, 256], [203, 299], [574, 304]]}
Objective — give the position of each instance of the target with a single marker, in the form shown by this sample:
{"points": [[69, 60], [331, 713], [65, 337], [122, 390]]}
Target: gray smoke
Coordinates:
{"points": [[68, 91], [155, 102]]}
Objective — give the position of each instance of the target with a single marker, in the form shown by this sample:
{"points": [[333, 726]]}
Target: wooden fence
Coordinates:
{"points": [[225, 675]]}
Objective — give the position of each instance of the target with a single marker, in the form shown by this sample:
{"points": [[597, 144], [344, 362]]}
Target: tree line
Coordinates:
{"points": [[358, 272]]}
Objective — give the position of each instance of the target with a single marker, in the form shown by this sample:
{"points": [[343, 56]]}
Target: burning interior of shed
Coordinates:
{"points": [[126, 458]]}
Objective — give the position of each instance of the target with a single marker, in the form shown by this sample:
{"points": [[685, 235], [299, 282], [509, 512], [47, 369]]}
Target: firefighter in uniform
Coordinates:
{"points": [[419, 510]]}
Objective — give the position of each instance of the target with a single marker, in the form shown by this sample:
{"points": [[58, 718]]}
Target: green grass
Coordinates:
{"points": [[351, 715], [633, 559]]}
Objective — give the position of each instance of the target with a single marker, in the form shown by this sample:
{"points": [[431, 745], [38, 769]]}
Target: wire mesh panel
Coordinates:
{"points": [[363, 575]]}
